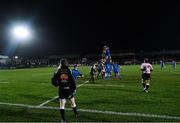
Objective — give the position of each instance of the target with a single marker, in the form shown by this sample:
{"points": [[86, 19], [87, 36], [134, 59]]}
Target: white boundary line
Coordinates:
{"points": [[44, 103], [174, 72], [98, 111], [103, 85], [3, 82], [82, 84]]}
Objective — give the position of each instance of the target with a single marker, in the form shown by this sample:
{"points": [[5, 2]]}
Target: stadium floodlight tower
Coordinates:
{"points": [[21, 32]]}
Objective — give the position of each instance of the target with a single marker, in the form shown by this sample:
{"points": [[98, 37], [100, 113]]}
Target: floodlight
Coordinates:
{"points": [[21, 32], [16, 57]]}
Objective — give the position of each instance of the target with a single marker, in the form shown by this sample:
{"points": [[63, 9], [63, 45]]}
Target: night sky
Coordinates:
{"points": [[83, 27]]}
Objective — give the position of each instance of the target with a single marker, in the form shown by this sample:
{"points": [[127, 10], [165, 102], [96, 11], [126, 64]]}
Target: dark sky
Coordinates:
{"points": [[83, 27]]}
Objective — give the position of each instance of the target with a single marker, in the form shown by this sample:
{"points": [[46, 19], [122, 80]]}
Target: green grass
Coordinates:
{"points": [[33, 87]]}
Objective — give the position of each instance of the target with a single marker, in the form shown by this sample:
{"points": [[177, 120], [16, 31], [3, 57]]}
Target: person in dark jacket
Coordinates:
{"points": [[67, 88]]}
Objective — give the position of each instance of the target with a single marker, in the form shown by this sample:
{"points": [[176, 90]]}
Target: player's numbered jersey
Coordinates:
{"points": [[64, 78], [147, 67]]}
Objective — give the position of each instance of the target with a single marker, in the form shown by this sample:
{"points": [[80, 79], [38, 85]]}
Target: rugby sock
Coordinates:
{"points": [[108, 77], [93, 80], [147, 86], [75, 110], [62, 114], [144, 85], [102, 77]]}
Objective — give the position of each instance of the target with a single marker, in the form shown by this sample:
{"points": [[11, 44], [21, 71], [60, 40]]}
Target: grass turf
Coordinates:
{"points": [[33, 87]]}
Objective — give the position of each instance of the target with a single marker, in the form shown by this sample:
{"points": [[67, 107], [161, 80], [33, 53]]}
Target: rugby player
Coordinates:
{"points": [[116, 70], [146, 69], [76, 73]]}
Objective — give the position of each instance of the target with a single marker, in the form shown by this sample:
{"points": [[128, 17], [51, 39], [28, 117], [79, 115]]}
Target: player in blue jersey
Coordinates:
{"points": [[174, 64], [116, 70], [161, 64], [76, 73], [106, 54], [107, 71]]}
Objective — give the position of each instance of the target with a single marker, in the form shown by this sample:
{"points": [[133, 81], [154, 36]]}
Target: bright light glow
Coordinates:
{"points": [[16, 57], [21, 32]]}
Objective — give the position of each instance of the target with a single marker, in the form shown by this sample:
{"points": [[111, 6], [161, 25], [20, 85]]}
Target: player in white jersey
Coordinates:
{"points": [[146, 69]]}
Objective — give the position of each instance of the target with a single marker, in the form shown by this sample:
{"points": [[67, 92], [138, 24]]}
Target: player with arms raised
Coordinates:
{"points": [[106, 54]]}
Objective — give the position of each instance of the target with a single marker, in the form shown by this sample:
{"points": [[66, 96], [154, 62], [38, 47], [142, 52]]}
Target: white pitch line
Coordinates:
{"points": [[104, 85], [48, 101], [3, 82], [82, 84], [98, 111], [44, 103], [175, 72]]}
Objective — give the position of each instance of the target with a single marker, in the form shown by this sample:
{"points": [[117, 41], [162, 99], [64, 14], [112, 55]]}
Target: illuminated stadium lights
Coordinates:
{"points": [[16, 57], [21, 32]]}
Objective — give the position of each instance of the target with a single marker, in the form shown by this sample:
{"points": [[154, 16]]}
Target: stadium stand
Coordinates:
{"points": [[122, 59]]}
